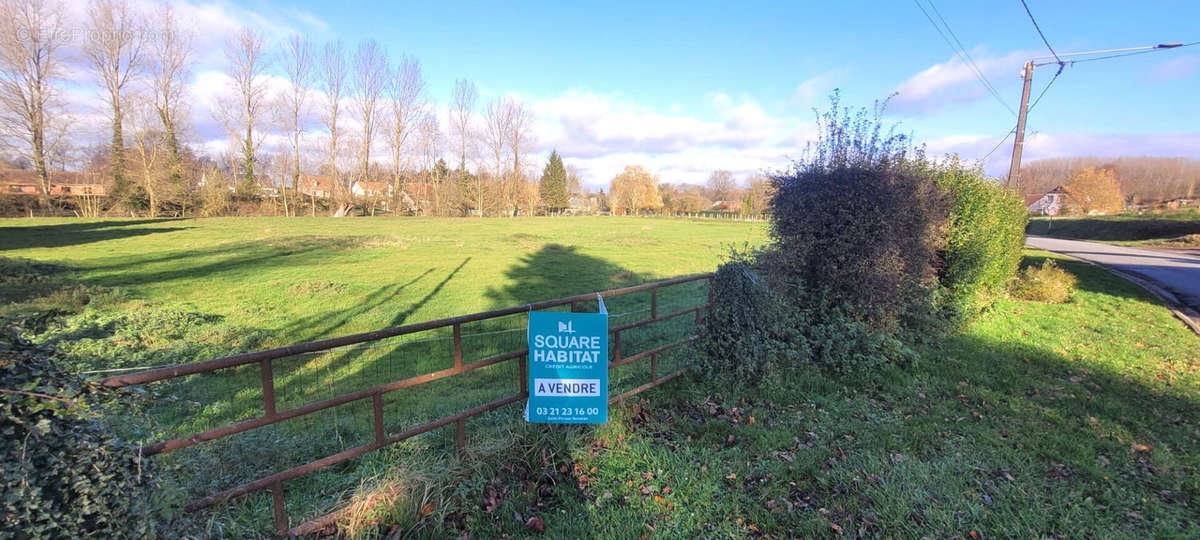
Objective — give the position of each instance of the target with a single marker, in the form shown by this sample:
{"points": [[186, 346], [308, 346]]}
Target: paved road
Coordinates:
{"points": [[1177, 273]]}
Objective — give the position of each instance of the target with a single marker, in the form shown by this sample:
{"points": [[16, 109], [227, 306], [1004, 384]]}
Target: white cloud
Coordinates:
{"points": [[584, 123], [953, 82], [601, 134], [817, 87]]}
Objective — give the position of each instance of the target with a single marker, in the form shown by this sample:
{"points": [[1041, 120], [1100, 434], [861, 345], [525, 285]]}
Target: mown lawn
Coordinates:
{"points": [[1071, 420]]}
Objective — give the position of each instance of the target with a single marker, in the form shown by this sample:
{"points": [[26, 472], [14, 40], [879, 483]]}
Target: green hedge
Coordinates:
{"points": [[984, 237], [874, 247]]}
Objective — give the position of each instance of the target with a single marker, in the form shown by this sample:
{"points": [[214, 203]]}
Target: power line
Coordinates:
{"points": [[1039, 31], [994, 148], [960, 51], [1031, 106], [1127, 54], [970, 61]]}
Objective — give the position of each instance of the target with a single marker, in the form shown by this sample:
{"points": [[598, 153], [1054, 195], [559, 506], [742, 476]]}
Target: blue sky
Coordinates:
{"points": [[686, 87]]}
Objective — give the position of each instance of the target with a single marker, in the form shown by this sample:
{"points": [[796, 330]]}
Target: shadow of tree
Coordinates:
{"points": [[78, 233], [237, 258], [555, 271]]}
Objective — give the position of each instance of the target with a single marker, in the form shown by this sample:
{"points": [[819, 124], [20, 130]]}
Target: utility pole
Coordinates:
{"points": [[1014, 168]]}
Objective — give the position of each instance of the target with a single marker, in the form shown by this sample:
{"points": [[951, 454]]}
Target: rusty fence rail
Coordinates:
{"points": [[271, 415]]}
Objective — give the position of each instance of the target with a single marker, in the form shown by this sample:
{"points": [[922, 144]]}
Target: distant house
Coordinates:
{"points": [[1182, 202], [62, 183], [577, 205], [371, 189], [727, 206], [583, 204], [18, 186], [419, 191], [1047, 204], [316, 185]]}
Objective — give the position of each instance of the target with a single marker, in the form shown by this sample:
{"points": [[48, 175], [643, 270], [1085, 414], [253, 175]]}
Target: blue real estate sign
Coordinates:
{"points": [[568, 367]]}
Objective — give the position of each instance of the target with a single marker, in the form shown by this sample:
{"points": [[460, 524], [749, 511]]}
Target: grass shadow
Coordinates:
{"points": [[238, 258], [79, 233]]}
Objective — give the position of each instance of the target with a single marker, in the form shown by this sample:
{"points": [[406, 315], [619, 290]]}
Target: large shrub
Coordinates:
{"points": [[873, 247], [858, 224], [62, 475], [984, 237], [749, 330]]}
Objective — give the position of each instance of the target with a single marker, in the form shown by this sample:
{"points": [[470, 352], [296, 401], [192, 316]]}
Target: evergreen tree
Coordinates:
{"points": [[553, 187], [440, 170]]}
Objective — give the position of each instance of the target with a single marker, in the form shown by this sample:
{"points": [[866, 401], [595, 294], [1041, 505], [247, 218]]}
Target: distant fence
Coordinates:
{"points": [[272, 413], [722, 216]]}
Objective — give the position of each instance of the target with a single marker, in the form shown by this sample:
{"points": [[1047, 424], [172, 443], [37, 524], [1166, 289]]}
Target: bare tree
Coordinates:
{"points": [[247, 64], [429, 135], [297, 59], [520, 139], [574, 181], [148, 143], [115, 49], [497, 119], [462, 112], [520, 133], [405, 88], [31, 36], [370, 80], [170, 56], [721, 185], [333, 84]]}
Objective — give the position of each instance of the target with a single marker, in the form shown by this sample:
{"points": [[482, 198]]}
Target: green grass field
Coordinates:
{"points": [[172, 291], [1073, 419], [298, 279]]}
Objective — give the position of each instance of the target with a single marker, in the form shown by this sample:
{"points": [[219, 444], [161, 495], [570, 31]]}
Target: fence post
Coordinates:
{"points": [[281, 520], [377, 400], [458, 349], [653, 303], [522, 372], [268, 387]]}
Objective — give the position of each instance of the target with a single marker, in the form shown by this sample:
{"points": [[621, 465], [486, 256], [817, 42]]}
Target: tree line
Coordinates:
{"points": [[1140, 179], [299, 117], [637, 191], [311, 128]]}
